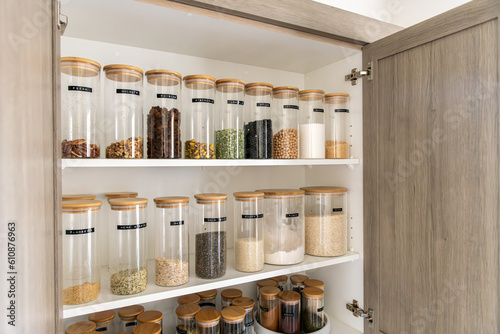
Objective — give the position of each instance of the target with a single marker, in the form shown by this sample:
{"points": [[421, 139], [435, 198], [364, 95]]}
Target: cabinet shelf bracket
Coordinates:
{"points": [[359, 312]]}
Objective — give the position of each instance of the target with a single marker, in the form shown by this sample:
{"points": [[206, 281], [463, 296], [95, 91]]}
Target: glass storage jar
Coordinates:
{"points": [[81, 281], [150, 317], [80, 89], [163, 118], [199, 100], [76, 197], [128, 317], [207, 299], [248, 305], [192, 298], [147, 328], [258, 121], [104, 321], [120, 194], [123, 110], [285, 123], [289, 312], [81, 327], [312, 314], [228, 295], [233, 320], [284, 226], [326, 220], [263, 283], [210, 237], [269, 308], [281, 282], [186, 322], [127, 253], [312, 124], [207, 322], [297, 282], [248, 231], [338, 143], [229, 134], [314, 283], [172, 240]]}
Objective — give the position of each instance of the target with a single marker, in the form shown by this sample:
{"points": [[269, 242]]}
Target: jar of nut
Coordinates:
{"points": [[285, 123]]}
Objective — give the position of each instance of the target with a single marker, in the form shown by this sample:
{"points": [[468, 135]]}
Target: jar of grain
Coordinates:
{"points": [[281, 282], [269, 308], [163, 118], [326, 220], [207, 322], [313, 315], [228, 295], [150, 317], [127, 240], [74, 197], [104, 321], [81, 281], [297, 282], [199, 95], [81, 327], [289, 312], [210, 237], [186, 322], [248, 304], [258, 121], [248, 231], [285, 123], [312, 124], [337, 144], [192, 298], [233, 320], [123, 112], [147, 328], [128, 317], [314, 283], [120, 194], [229, 135], [207, 299]]}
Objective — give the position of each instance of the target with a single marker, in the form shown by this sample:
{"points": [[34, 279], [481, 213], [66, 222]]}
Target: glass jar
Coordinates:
{"points": [[207, 299], [228, 295], [192, 298], [248, 231], [248, 305], [77, 197], [81, 281], [284, 226], [229, 134], [281, 282], [289, 312], [163, 119], [172, 240], [285, 123], [207, 322], [233, 320], [127, 253], [297, 282], [80, 89], [120, 194], [128, 317], [81, 327], [104, 321], [314, 283], [326, 220], [150, 317], [147, 328], [210, 237], [312, 124], [263, 283], [313, 315], [123, 110], [258, 121], [269, 308], [186, 322], [199, 97], [338, 140]]}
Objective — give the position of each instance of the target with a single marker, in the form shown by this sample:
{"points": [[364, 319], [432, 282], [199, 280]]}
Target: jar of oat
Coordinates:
{"points": [[326, 220], [192, 298], [233, 320], [312, 124], [248, 305], [80, 90], [281, 282], [207, 322], [312, 313], [172, 240], [297, 282], [127, 240], [285, 123], [74, 197], [228, 295], [248, 231], [199, 98], [81, 327], [154, 317], [128, 317], [207, 299], [186, 322], [81, 282], [258, 121], [337, 144], [104, 321]]}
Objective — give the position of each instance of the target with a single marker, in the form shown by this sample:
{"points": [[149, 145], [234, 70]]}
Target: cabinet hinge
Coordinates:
{"points": [[62, 20], [355, 74], [359, 312]]}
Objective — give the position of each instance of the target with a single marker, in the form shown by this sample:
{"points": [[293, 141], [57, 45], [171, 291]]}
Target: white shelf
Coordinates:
{"points": [[107, 301]]}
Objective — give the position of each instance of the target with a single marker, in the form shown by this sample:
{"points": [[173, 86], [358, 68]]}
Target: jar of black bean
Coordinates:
{"points": [[258, 123]]}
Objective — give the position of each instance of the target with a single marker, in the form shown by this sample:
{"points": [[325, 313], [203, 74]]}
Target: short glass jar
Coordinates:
{"points": [[228, 295], [248, 304], [233, 320], [282, 282], [297, 282], [289, 312], [150, 317], [338, 140], [312, 314], [269, 308], [104, 321], [258, 121], [207, 322], [312, 124], [207, 299], [192, 298], [314, 283], [285, 123], [186, 322], [81, 327], [263, 283], [128, 318]]}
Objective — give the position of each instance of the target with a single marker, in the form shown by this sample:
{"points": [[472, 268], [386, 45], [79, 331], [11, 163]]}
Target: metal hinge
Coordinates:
{"points": [[62, 20], [355, 74], [359, 312]]}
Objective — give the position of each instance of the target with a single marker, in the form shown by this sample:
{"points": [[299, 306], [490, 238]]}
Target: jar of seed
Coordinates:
{"points": [[297, 282], [285, 123], [312, 124], [128, 317], [192, 298], [312, 313], [314, 283], [147, 328], [81, 327], [228, 295], [186, 322], [258, 121], [269, 308], [207, 299], [207, 322], [248, 305], [104, 321], [338, 143], [233, 320], [289, 312], [150, 317], [281, 282]]}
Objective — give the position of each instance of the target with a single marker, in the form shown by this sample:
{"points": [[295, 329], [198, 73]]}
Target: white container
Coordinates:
{"points": [[325, 330]]}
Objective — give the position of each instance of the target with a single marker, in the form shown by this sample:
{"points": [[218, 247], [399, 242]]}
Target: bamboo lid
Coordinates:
{"points": [[127, 201], [312, 292], [289, 296], [123, 73], [244, 302], [324, 189], [282, 192], [82, 204], [298, 278], [81, 327], [77, 197], [147, 328], [336, 97], [163, 77], [233, 313], [80, 67], [209, 315], [199, 81], [269, 291], [248, 194], [280, 279], [102, 316], [207, 294], [149, 316], [188, 299], [130, 311], [231, 293], [285, 89], [171, 200], [209, 197], [314, 283], [258, 84], [230, 85], [187, 310], [121, 194], [266, 282]]}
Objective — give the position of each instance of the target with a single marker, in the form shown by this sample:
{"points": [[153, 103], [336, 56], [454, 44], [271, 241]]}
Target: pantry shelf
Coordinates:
{"points": [[107, 301]]}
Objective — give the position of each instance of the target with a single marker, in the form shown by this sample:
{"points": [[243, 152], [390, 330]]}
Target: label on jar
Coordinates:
{"points": [[337, 209], [128, 91], [260, 215], [237, 102], [131, 323], [318, 110], [290, 106], [102, 329], [206, 304], [288, 314], [321, 309], [292, 215], [264, 309], [130, 227], [342, 110], [180, 331], [177, 223], [263, 104], [166, 96], [80, 231], [80, 89], [201, 100], [215, 220], [248, 324]]}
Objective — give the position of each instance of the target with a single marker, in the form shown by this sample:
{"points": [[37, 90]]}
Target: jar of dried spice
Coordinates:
{"points": [[312, 314], [104, 321], [269, 308], [207, 299], [233, 320], [207, 322], [186, 322], [128, 318], [337, 144], [285, 123], [228, 295], [289, 312], [297, 282], [312, 124], [248, 304], [258, 121]]}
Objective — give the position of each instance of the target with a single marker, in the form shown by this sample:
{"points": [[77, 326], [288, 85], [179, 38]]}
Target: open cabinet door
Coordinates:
{"points": [[431, 175]]}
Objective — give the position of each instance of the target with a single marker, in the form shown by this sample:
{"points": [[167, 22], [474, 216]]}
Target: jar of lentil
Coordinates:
{"points": [[228, 295], [229, 135], [199, 95], [289, 312], [314, 283], [163, 118], [186, 322], [281, 282], [233, 320], [258, 121], [81, 327], [81, 279], [312, 124], [285, 123], [284, 226], [248, 305], [192, 298], [104, 321], [338, 143], [326, 220], [74, 197], [120, 194], [147, 328], [172, 240], [313, 315], [210, 237], [249, 228], [297, 282], [269, 308], [127, 253], [207, 322], [123, 110], [128, 317], [150, 317], [207, 299]]}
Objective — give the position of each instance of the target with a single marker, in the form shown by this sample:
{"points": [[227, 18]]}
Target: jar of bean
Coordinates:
{"points": [[228, 295], [207, 322], [258, 121], [128, 318], [312, 317], [285, 123], [207, 299], [248, 304], [312, 124], [337, 144], [186, 322], [269, 308]]}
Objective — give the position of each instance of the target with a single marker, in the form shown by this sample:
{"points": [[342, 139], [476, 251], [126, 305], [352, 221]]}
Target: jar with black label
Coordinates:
{"points": [[123, 112], [297, 282], [233, 320], [128, 318], [313, 315], [207, 299], [263, 283], [285, 123], [81, 281], [258, 121], [207, 322], [210, 237], [227, 296], [338, 140], [186, 322], [104, 321], [312, 124], [248, 305], [289, 312], [281, 282], [127, 240], [269, 308]]}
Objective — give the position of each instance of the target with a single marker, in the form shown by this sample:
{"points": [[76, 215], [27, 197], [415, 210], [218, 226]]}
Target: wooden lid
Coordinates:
{"points": [[77, 197], [233, 313], [248, 194], [312, 91], [284, 89], [171, 200], [282, 278], [333, 95], [188, 299], [311, 95], [120, 194], [163, 77], [187, 310], [147, 328], [230, 85], [165, 72], [150, 316], [130, 311], [282, 192], [269, 291], [324, 190], [266, 282], [209, 315], [80, 60], [312, 292], [231, 293], [258, 84], [314, 283], [289, 296], [298, 278], [80, 67], [207, 80], [336, 97], [128, 201], [244, 302], [81, 327], [83, 205], [102, 316], [211, 197], [123, 73], [207, 294]]}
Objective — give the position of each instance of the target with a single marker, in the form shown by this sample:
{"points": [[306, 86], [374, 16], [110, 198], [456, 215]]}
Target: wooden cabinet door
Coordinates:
{"points": [[431, 176]]}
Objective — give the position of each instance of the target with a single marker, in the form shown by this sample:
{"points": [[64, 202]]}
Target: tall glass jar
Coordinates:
{"points": [[74, 197], [207, 322], [233, 320], [172, 240], [81, 327], [312, 124], [150, 317], [207, 299], [128, 318], [281, 282], [297, 282], [228, 295], [147, 328], [123, 110], [313, 315], [80, 89], [81, 281], [258, 121], [284, 226], [314, 283], [248, 231], [199, 95], [285, 123], [289, 312], [248, 305], [127, 253], [269, 308], [229, 134], [326, 220], [192, 298], [163, 119], [210, 237], [338, 140], [104, 321], [186, 322]]}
